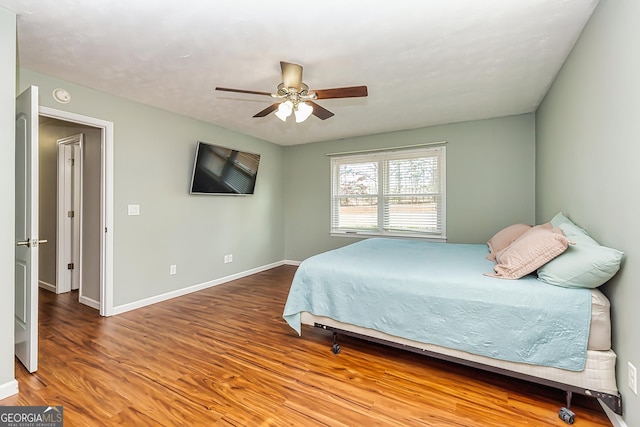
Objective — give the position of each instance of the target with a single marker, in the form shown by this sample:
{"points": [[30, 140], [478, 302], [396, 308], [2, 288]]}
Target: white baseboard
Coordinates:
{"points": [[616, 420], [8, 389], [291, 262], [180, 292], [47, 286], [90, 302]]}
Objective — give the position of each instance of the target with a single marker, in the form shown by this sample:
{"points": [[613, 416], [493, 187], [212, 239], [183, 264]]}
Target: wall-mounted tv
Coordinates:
{"points": [[223, 170]]}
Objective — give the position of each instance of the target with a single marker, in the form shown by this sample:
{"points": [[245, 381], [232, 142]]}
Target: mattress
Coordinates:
{"points": [[600, 328], [598, 374]]}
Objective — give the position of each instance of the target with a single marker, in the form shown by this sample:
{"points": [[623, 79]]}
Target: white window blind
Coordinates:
{"points": [[398, 193]]}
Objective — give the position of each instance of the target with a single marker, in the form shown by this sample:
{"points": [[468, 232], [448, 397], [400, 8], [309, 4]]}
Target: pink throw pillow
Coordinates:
{"points": [[504, 238], [530, 251]]}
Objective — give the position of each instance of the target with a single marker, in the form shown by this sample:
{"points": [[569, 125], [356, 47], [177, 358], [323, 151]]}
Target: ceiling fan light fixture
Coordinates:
{"points": [[284, 110], [303, 112], [293, 96]]}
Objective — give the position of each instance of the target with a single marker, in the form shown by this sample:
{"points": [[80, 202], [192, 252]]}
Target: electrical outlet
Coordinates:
{"points": [[226, 259], [633, 378], [230, 257], [172, 269]]}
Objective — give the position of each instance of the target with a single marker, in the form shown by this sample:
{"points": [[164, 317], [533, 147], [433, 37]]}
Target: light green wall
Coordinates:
{"points": [[7, 199], [47, 203], [490, 180], [588, 148], [153, 159]]}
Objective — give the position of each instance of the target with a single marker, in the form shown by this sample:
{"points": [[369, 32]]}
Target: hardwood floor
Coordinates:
{"points": [[224, 356]]}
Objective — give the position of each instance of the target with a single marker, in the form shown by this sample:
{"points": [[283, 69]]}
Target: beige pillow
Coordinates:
{"points": [[533, 249], [504, 238]]}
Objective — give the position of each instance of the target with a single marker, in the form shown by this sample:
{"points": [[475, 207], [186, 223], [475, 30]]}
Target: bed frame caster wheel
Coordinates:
{"points": [[335, 347], [567, 415]]}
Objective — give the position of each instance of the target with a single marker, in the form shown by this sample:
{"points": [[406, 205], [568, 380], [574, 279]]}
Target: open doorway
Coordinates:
{"points": [[75, 213]]}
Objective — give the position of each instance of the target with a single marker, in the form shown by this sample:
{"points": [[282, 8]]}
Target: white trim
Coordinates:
{"points": [[291, 262], [616, 420], [106, 220], [78, 202], [184, 291], [48, 286], [61, 254], [69, 200], [364, 235], [90, 302], [106, 291], [8, 389], [389, 149]]}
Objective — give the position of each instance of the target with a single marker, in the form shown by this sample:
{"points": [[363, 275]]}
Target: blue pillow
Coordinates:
{"points": [[585, 264], [558, 219], [582, 265], [576, 234]]}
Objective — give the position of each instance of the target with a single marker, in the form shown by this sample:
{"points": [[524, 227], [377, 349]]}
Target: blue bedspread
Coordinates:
{"points": [[436, 293]]}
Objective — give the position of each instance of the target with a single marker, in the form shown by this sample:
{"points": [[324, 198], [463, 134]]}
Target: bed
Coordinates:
{"points": [[449, 301]]}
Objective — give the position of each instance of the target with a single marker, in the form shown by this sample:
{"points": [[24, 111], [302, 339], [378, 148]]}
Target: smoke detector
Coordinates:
{"points": [[61, 95]]}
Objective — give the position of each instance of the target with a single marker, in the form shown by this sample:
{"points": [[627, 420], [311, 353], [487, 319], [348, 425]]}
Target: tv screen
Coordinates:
{"points": [[223, 170]]}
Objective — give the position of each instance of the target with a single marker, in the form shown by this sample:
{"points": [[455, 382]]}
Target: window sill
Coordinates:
{"points": [[364, 235]]}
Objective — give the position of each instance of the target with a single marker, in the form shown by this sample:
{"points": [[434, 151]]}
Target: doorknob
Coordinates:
{"points": [[28, 243]]}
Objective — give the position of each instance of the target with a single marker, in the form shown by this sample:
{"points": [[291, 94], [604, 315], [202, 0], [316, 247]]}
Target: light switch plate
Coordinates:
{"points": [[633, 377], [133, 209]]}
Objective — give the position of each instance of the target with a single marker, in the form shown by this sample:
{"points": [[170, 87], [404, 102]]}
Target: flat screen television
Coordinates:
{"points": [[223, 170]]}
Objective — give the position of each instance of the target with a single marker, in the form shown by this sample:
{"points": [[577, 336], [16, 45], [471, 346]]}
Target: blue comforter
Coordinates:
{"points": [[436, 293]]}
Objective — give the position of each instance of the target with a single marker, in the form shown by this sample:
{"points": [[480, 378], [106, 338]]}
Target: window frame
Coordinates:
{"points": [[382, 157]]}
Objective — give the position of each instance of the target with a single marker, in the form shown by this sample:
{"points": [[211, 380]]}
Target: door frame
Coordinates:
{"points": [[69, 235], [106, 199]]}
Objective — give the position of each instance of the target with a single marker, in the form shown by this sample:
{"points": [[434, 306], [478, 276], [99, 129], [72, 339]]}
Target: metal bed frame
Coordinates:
{"points": [[614, 402]]}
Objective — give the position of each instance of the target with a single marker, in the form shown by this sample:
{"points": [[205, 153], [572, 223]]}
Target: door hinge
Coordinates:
{"points": [[70, 266], [70, 214]]}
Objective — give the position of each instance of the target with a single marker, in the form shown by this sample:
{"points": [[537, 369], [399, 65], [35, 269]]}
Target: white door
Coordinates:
{"points": [[26, 258], [69, 213]]}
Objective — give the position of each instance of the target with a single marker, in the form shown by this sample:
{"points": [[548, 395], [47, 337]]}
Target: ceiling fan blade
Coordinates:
{"points": [[226, 89], [341, 92], [320, 112], [291, 75], [271, 108]]}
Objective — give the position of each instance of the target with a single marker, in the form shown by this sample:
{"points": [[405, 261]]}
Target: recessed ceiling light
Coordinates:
{"points": [[61, 95]]}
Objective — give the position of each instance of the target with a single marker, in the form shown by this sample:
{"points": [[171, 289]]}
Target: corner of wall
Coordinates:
{"points": [[7, 179]]}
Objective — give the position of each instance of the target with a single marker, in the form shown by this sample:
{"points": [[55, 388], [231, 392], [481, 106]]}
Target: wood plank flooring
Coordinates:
{"points": [[224, 356]]}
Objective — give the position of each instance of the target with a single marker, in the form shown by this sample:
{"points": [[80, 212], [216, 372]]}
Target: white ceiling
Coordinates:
{"points": [[424, 62]]}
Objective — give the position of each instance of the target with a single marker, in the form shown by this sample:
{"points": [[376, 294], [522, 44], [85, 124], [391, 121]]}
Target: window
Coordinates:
{"points": [[393, 193]]}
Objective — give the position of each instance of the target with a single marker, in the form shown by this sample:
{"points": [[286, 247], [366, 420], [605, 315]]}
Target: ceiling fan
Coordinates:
{"points": [[295, 97]]}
